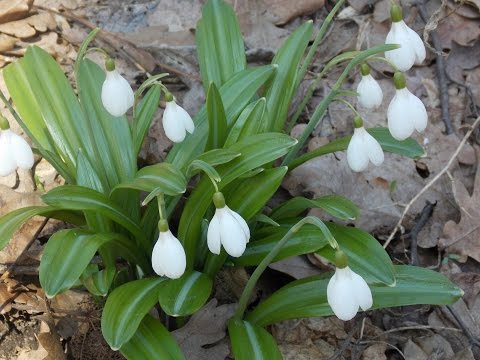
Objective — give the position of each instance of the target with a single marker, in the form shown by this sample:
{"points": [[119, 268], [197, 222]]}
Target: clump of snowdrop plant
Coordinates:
{"points": [[347, 291], [14, 150], [117, 94], [145, 257], [369, 92], [412, 50], [363, 148]]}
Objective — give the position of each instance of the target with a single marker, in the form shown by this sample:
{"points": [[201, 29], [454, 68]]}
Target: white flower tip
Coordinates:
{"points": [[117, 95], [168, 256], [176, 122]]}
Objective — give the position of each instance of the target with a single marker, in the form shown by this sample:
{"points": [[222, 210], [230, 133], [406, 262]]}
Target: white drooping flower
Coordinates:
{"points": [[347, 292], [176, 122], [411, 51], [117, 94], [406, 112], [14, 152], [168, 256], [362, 149], [370, 93], [227, 228]]}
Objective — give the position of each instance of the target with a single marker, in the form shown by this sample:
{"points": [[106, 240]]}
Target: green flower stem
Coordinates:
{"points": [[247, 291], [381, 58], [83, 50], [208, 169], [336, 145], [161, 206], [350, 106], [323, 106], [4, 125], [321, 33]]}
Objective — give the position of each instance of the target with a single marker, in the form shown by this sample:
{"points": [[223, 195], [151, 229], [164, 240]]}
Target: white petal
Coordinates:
{"points": [[168, 256], [7, 160], [117, 95], [22, 152], [404, 57], [370, 93], [339, 295], [361, 292], [373, 148], [232, 235], [173, 124], [418, 46], [186, 119], [213, 233], [400, 123], [357, 156], [243, 224], [417, 112]]}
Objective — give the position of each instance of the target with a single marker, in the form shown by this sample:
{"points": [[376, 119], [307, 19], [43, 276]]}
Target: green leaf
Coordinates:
{"points": [[74, 197], [152, 341], [125, 308], [308, 297], [256, 150], [219, 27], [249, 122], [236, 93], [163, 177], [184, 296], [144, 115], [251, 342], [217, 122], [335, 205], [281, 88], [98, 282], [409, 147], [86, 174], [218, 156], [66, 256]]}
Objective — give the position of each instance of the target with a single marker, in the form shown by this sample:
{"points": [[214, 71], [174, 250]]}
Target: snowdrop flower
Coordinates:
{"points": [[227, 228], [363, 148], [412, 50], [176, 121], [370, 94], [117, 95], [168, 256], [406, 112], [14, 151], [347, 291]]}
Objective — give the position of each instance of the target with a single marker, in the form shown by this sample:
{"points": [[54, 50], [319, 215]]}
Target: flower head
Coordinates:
{"points": [[411, 51], [370, 93], [363, 148], [406, 112], [227, 228], [176, 122], [168, 256], [117, 95], [14, 152]]}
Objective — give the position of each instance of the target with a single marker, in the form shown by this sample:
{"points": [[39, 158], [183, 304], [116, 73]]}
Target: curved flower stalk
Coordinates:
{"points": [[412, 50], [406, 112], [117, 94], [370, 93], [363, 148], [176, 121], [347, 291], [168, 256], [14, 151], [227, 228]]}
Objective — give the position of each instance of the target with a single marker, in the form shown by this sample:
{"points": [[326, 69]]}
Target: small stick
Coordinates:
{"points": [[422, 220], [433, 181]]}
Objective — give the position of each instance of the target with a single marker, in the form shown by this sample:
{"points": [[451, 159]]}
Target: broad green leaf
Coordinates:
{"points": [[86, 174], [184, 296], [256, 150], [251, 342], [144, 115], [163, 176], [308, 297], [218, 156], [217, 122], [236, 93], [409, 147], [152, 341], [126, 307], [66, 256], [335, 205], [220, 48], [98, 282], [74, 197], [281, 88], [249, 122]]}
